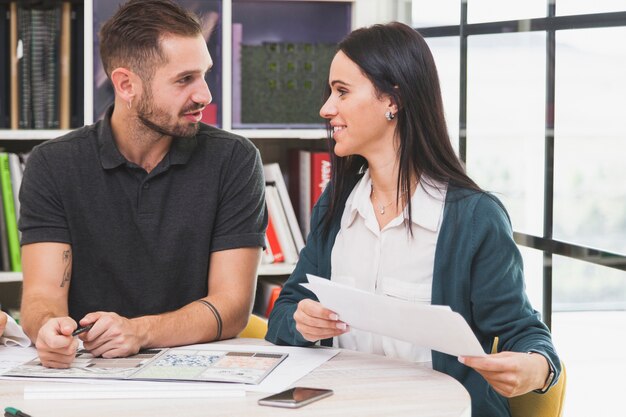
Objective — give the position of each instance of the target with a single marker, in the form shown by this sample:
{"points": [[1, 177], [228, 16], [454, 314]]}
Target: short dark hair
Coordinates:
{"points": [[398, 62], [131, 38]]}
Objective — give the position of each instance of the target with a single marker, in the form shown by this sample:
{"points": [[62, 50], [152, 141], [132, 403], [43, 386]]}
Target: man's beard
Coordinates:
{"points": [[156, 119]]}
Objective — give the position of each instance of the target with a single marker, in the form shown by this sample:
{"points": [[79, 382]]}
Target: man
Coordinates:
{"points": [[147, 225]]}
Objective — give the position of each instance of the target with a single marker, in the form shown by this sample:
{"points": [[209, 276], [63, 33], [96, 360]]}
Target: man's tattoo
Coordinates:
{"points": [[67, 260]]}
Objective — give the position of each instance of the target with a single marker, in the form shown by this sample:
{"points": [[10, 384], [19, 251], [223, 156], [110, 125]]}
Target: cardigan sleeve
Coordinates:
{"points": [[499, 303]]}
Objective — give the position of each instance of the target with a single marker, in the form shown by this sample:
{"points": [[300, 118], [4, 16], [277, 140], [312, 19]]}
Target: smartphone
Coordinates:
{"points": [[296, 397]]}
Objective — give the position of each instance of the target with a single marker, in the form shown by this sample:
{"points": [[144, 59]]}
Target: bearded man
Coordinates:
{"points": [[148, 225]]}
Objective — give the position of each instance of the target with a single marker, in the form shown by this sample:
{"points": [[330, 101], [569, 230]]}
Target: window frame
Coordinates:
{"points": [[549, 24]]}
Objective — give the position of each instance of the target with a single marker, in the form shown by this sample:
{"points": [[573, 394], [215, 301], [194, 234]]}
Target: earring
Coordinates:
{"points": [[129, 104], [390, 116]]}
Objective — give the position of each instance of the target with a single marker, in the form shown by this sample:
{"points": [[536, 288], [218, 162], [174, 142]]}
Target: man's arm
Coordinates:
{"points": [[47, 269], [232, 282]]}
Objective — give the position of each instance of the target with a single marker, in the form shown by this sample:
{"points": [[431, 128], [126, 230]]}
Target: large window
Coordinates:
{"points": [[540, 97]]}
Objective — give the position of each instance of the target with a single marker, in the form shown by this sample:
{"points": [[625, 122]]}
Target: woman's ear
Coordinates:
{"points": [[392, 105], [392, 102]]}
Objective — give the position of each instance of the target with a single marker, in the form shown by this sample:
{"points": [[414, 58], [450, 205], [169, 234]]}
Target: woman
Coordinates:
{"points": [[401, 217]]}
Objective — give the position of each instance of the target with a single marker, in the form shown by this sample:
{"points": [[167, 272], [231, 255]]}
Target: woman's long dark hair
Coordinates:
{"points": [[398, 62]]}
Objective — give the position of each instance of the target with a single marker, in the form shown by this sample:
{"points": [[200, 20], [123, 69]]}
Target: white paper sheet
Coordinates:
{"points": [[13, 334], [434, 327], [11, 356]]}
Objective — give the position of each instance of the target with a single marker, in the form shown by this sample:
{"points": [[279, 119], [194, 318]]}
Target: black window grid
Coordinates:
{"points": [[549, 24]]}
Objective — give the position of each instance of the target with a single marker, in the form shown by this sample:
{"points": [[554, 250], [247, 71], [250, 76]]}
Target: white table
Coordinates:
{"points": [[364, 385]]}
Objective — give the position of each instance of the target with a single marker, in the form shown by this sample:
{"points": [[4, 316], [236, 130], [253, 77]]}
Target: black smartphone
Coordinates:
{"points": [[296, 397]]}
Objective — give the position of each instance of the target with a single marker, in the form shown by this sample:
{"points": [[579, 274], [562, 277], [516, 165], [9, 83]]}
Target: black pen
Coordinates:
{"points": [[82, 329], [14, 412]]}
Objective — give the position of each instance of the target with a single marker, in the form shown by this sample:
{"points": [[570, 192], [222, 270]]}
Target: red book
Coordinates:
{"points": [[209, 115], [272, 238], [320, 174], [273, 297]]}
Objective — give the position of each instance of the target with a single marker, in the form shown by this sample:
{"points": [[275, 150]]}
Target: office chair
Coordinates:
{"points": [[256, 328], [533, 404]]}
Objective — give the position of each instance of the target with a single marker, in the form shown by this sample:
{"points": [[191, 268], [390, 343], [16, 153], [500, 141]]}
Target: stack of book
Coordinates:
{"points": [[309, 174], [39, 53], [267, 292], [11, 169], [283, 237]]}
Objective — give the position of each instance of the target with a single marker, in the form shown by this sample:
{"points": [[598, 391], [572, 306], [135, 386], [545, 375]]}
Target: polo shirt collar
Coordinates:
{"points": [[110, 156], [427, 203]]}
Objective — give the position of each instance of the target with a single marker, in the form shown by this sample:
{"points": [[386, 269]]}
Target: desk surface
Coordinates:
{"points": [[364, 385]]}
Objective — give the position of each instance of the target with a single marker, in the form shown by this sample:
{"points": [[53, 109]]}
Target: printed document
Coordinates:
{"points": [[176, 364], [434, 327]]}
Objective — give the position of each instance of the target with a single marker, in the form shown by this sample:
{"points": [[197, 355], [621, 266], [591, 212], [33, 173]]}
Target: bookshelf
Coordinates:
{"points": [[294, 21]]}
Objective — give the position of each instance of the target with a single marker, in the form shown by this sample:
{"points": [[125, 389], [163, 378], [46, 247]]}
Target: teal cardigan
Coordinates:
{"points": [[478, 272]]}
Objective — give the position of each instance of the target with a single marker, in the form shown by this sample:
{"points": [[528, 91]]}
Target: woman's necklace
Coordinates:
{"points": [[381, 206]]}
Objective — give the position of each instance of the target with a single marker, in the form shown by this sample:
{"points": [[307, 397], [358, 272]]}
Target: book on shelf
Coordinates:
{"points": [[40, 71], [309, 174], [5, 260], [5, 66], [38, 31], [13, 52], [65, 50], [267, 293], [9, 213], [16, 171], [272, 239], [266, 256], [274, 294], [273, 174], [281, 226], [77, 62], [236, 78]]}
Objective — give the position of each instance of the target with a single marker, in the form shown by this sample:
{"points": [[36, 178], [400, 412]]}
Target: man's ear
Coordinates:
{"points": [[125, 82]]}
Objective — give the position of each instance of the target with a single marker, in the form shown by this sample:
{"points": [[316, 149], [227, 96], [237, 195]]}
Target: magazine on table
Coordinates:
{"points": [[175, 364]]}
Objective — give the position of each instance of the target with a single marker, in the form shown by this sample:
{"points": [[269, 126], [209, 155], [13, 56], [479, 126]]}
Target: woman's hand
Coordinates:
{"points": [[315, 322], [3, 322], [511, 373]]}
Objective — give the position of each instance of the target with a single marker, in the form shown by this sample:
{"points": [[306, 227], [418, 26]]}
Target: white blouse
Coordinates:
{"points": [[388, 261]]}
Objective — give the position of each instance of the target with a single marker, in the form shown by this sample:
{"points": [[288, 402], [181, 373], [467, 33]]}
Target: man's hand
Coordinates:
{"points": [[511, 373], [112, 336], [315, 322], [55, 345], [3, 322]]}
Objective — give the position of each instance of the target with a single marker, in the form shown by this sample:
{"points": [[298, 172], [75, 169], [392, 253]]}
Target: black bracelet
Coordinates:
{"points": [[218, 318]]}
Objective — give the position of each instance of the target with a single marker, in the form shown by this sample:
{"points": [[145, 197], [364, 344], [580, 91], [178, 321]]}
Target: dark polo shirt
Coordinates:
{"points": [[141, 241]]}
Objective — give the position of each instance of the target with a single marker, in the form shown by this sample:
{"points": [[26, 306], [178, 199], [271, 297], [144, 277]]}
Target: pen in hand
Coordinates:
{"points": [[82, 329]]}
